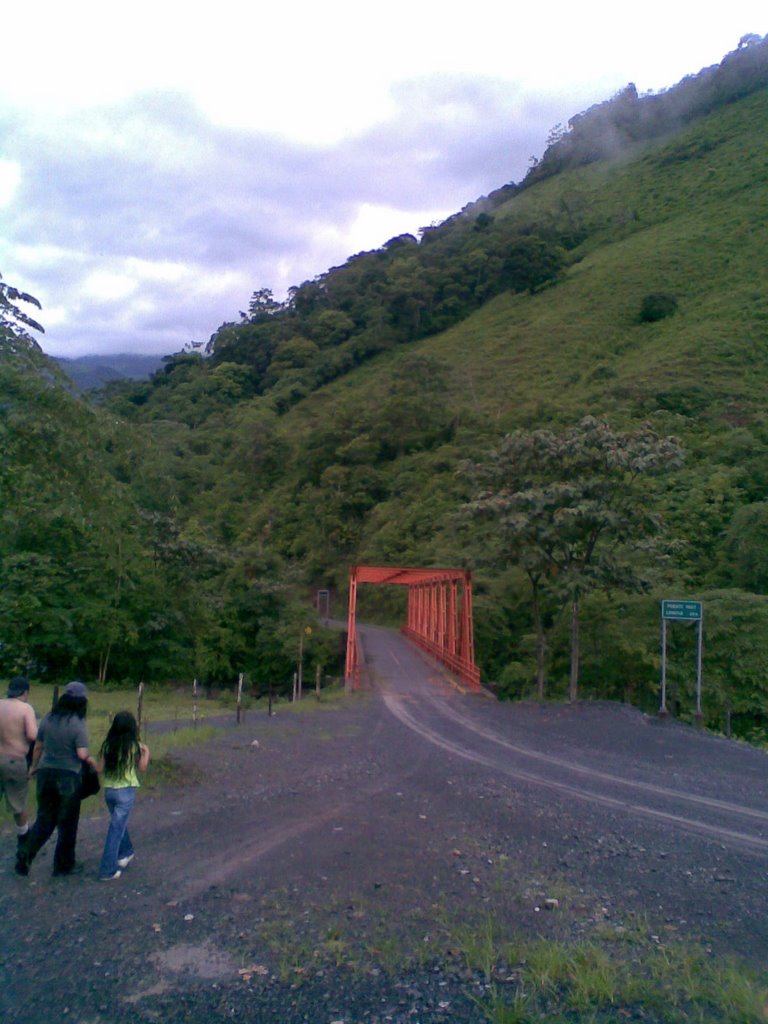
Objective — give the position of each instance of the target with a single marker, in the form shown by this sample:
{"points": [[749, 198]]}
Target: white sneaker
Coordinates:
{"points": [[123, 862], [110, 878]]}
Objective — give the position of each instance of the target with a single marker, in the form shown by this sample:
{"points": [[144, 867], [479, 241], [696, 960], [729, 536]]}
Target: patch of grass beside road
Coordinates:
{"points": [[593, 974], [588, 981], [162, 768]]}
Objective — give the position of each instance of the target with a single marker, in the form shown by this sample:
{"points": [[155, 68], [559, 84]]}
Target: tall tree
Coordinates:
{"points": [[63, 516], [573, 510], [746, 547], [14, 321]]}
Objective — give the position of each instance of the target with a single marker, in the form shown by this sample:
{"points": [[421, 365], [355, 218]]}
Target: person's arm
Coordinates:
{"points": [[81, 745], [85, 757], [143, 758], [30, 726], [37, 753]]}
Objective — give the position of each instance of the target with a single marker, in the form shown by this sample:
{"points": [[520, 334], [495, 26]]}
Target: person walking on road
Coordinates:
{"points": [[18, 731], [123, 756], [60, 750]]}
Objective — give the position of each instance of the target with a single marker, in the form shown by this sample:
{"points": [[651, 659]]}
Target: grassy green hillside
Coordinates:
{"points": [[686, 217]]}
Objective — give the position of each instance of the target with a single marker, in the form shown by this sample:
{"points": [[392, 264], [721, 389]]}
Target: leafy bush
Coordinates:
{"points": [[657, 306], [516, 681]]}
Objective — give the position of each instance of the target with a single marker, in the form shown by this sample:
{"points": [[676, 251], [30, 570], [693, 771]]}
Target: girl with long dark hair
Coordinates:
{"points": [[60, 750], [123, 756]]}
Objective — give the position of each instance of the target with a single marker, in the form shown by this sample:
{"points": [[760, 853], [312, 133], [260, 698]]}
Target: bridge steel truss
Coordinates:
{"points": [[439, 616]]}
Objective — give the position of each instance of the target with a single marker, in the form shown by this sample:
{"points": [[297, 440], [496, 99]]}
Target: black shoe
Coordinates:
{"points": [[21, 867], [76, 869]]}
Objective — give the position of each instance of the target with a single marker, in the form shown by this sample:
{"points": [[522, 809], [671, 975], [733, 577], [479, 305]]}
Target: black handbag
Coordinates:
{"points": [[89, 781]]}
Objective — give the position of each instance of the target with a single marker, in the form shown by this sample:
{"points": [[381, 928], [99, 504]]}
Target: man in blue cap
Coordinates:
{"points": [[18, 729]]}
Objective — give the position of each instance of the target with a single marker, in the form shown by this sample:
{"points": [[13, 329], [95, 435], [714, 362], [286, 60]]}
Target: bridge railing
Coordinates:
{"points": [[463, 668]]}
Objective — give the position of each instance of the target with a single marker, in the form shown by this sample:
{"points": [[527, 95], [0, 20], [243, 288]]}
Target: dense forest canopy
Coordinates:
{"points": [[180, 526]]}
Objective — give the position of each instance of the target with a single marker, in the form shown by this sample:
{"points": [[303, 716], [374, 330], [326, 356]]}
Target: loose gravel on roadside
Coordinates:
{"points": [[333, 866]]}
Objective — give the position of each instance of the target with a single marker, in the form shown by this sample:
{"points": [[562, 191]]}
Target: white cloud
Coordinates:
{"points": [[46, 256], [149, 270], [375, 220], [318, 73], [109, 286], [134, 239], [164, 160], [10, 176]]}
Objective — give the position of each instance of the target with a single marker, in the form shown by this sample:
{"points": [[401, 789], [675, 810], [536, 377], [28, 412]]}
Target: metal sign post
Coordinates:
{"points": [[239, 698], [699, 644], [681, 611], [663, 701]]}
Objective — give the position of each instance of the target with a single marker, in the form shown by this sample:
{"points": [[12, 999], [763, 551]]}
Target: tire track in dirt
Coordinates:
{"points": [[712, 803], [297, 821], [411, 695], [720, 833]]}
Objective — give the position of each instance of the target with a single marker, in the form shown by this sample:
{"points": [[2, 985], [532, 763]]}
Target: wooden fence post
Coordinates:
{"points": [[239, 698], [140, 709]]}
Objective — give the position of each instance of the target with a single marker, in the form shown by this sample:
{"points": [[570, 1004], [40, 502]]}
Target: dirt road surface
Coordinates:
{"points": [[326, 866]]}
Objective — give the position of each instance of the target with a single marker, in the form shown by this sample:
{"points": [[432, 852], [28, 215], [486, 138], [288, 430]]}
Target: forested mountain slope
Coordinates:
{"points": [[627, 283]]}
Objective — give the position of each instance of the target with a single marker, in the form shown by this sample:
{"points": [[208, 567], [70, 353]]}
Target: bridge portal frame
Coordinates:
{"points": [[439, 618]]}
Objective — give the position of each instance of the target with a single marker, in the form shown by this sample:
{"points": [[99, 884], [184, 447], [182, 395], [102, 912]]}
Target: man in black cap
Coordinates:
{"points": [[18, 729]]}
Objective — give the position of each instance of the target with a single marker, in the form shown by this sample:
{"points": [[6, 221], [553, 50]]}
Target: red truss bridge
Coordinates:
{"points": [[439, 615]]}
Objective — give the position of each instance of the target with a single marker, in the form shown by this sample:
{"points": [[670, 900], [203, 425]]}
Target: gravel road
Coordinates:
{"points": [[328, 864]]}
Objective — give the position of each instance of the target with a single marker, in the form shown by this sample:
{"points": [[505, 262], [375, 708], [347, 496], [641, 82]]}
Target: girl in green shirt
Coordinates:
{"points": [[123, 757]]}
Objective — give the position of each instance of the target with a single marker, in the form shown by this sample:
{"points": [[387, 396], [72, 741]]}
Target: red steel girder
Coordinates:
{"points": [[439, 615]]}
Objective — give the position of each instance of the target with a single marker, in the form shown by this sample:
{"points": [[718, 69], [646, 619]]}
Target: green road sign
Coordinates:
{"points": [[689, 611]]}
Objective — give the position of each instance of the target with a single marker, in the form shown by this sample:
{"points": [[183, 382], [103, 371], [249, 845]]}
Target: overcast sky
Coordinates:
{"points": [[161, 161]]}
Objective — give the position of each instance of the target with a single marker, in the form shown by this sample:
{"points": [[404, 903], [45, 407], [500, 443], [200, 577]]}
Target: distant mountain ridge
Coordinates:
{"points": [[88, 372]]}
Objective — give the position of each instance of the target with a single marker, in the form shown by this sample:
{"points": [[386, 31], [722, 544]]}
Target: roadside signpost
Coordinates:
{"points": [[681, 611], [240, 697], [324, 604]]}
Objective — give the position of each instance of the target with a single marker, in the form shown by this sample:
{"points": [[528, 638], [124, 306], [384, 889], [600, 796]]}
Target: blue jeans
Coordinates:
{"points": [[118, 843]]}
